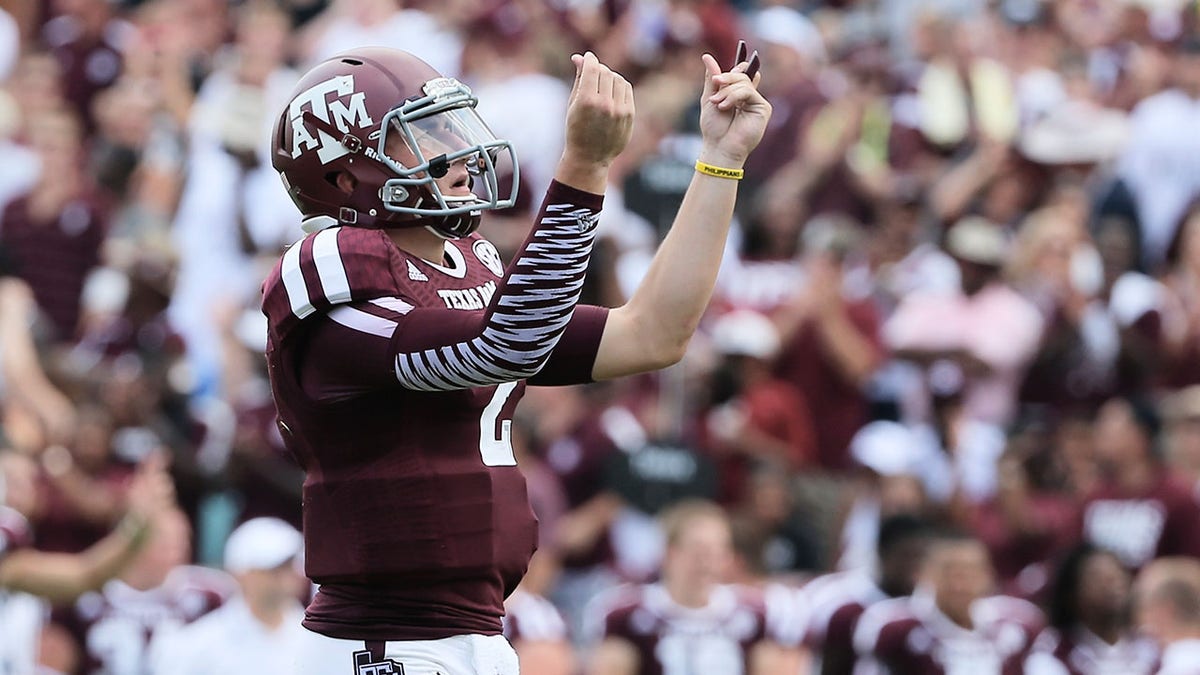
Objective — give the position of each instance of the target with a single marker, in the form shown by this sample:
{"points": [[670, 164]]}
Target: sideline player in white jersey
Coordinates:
{"points": [[952, 623], [689, 622]]}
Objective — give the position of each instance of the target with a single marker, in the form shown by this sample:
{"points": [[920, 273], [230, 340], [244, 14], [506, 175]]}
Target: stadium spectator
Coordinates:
{"points": [[1140, 511], [87, 39], [157, 594], [835, 602], [984, 334], [774, 537], [952, 621], [1181, 324], [690, 619], [1181, 434], [53, 233], [1168, 610], [755, 417], [232, 206], [27, 574], [1033, 517], [829, 332], [1090, 621], [898, 473], [254, 629], [1157, 163]]}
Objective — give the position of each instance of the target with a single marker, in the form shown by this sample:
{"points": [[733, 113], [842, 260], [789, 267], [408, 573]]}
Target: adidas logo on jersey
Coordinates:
{"points": [[416, 274]]}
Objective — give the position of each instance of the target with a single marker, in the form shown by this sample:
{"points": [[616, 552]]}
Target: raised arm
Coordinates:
{"points": [[62, 577], [652, 330]]}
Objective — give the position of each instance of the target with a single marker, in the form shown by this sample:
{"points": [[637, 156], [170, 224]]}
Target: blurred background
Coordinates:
{"points": [[963, 284]]}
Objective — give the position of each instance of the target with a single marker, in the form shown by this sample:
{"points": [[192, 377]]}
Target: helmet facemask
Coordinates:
{"points": [[441, 130]]}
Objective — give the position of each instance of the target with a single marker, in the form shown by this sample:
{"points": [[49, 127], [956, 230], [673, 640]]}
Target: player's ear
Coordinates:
{"points": [[345, 182]]}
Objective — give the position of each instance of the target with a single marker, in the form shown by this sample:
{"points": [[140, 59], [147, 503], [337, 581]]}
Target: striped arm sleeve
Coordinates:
{"points": [[527, 316]]}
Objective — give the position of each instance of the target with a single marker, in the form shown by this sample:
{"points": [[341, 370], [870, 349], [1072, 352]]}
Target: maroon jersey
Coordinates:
{"points": [[115, 626], [671, 639], [532, 618], [835, 603], [1080, 652], [910, 636], [55, 257], [1160, 521], [396, 380]]}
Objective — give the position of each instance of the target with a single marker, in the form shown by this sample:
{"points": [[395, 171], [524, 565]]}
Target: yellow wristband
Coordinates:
{"points": [[719, 172]]}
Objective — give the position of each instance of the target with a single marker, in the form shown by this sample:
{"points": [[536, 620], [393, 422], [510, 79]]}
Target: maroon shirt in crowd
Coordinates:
{"points": [[838, 407], [55, 257], [417, 524], [1161, 520]]}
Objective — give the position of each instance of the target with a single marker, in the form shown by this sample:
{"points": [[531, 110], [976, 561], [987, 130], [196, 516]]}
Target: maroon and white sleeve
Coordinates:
{"points": [[532, 329], [355, 354], [529, 313]]}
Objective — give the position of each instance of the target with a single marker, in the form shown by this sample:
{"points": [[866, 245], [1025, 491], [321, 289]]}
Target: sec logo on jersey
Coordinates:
{"points": [[489, 256]]}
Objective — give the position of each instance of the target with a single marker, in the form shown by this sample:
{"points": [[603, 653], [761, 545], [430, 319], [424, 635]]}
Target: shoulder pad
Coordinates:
{"points": [[335, 266]]}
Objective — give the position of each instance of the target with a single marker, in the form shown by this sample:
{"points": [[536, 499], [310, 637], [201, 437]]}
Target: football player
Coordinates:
{"points": [[1091, 623], [952, 623], [689, 622], [836, 601], [399, 344]]}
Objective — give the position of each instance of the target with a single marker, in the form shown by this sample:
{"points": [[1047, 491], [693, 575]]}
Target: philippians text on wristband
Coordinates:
{"points": [[719, 172]]}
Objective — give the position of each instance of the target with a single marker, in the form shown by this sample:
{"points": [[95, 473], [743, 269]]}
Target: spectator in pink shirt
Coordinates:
{"points": [[986, 331]]}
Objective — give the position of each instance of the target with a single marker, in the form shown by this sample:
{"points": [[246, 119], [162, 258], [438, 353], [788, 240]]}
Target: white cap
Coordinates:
{"points": [[978, 240], [784, 26], [744, 332], [261, 544], [887, 448]]}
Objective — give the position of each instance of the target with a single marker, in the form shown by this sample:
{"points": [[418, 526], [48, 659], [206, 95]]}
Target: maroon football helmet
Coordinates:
{"points": [[349, 111]]}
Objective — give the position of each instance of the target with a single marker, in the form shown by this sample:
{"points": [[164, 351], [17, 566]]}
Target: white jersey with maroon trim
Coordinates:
{"points": [[671, 639], [116, 624], [21, 614], [833, 604], [911, 636], [1081, 652]]}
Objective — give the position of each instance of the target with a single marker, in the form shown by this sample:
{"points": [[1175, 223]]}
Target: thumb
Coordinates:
{"points": [[577, 60], [711, 70]]}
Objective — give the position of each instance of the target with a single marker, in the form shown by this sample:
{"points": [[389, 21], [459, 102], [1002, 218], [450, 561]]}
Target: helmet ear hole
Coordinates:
{"points": [[342, 180], [353, 62]]}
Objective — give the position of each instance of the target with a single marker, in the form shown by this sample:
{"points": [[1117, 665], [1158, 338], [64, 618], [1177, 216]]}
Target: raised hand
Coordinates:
{"points": [[599, 113], [733, 115]]}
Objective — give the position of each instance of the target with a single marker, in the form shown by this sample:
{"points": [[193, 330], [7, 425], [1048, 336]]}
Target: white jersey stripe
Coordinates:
{"points": [[330, 268], [293, 282], [395, 304], [363, 322]]}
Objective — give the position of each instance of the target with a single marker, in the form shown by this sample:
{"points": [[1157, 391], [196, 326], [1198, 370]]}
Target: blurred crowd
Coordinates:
{"points": [[952, 372]]}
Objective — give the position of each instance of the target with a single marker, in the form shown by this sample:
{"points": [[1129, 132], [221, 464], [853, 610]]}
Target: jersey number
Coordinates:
{"points": [[497, 451]]}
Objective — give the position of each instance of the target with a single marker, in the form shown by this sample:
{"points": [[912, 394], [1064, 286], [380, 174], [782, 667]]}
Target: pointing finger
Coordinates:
{"points": [[752, 69]]}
